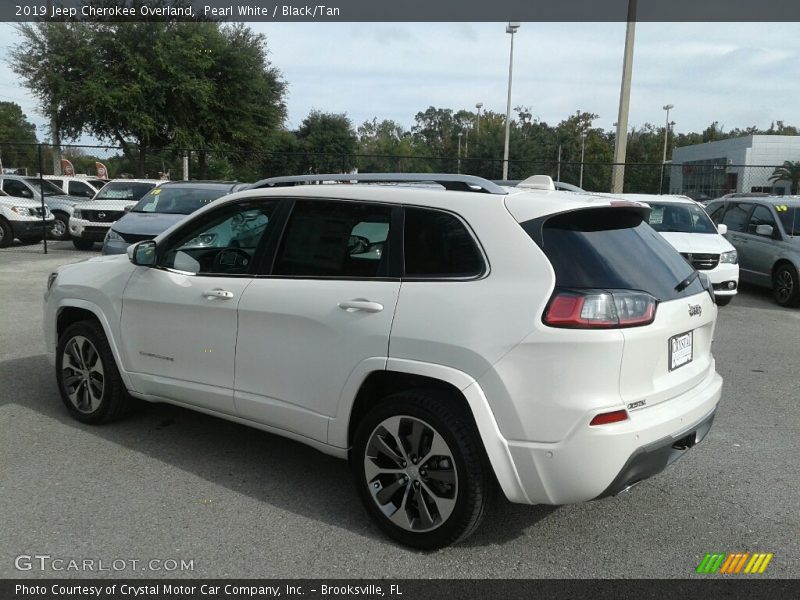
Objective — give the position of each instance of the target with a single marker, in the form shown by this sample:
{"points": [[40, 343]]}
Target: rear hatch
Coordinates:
{"points": [[613, 271]]}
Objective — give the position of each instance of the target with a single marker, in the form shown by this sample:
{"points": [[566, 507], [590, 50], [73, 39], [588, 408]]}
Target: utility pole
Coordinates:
{"points": [[512, 29], [621, 142], [667, 108]]}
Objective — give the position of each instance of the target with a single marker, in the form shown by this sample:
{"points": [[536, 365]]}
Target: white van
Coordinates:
{"points": [[685, 224]]}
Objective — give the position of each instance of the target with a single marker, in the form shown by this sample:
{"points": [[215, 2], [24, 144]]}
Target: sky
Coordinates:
{"points": [[739, 74]]}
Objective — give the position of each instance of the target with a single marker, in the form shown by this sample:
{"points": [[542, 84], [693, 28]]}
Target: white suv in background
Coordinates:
{"points": [[21, 218], [91, 220], [442, 337], [685, 224]]}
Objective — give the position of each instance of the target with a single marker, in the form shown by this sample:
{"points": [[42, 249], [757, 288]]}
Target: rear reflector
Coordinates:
{"points": [[610, 417], [599, 309]]}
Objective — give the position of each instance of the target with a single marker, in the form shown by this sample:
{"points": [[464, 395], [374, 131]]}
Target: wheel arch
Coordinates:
{"points": [[378, 383], [779, 263], [73, 311]]}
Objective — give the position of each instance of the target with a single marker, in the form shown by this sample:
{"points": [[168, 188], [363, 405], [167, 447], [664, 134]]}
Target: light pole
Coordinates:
{"points": [[459, 150], [583, 151], [466, 142], [479, 106], [666, 107], [621, 140], [512, 29]]}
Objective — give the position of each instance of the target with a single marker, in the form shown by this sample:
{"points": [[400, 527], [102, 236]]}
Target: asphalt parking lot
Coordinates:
{"points": [[168, 483]]}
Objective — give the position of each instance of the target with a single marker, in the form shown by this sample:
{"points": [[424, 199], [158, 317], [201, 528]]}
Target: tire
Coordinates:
{"points": [[785, 286], [723, 300], [82, 244], [454, 501], [6, 235], [87, 375], [60, 227]]}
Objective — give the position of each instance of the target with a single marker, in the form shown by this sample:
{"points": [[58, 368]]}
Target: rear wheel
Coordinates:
{"points": [[59, 230], [6, 235], [785, 286], [87, 375], [420, 469], [82, 244]]}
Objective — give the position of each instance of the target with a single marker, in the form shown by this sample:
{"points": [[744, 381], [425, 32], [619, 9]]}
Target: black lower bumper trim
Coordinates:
{"points": [[656, 456], [29, 228]]}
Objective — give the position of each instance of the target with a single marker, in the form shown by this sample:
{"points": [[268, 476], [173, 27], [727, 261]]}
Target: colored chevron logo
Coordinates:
{"points": [[734, 563]]}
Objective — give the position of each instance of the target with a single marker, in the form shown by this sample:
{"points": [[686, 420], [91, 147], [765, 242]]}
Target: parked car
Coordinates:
{"points": [[60, 204], [441, 340], [161, 208], [765, 230], [21, 218], [92, 220], [685, 225], [82, 187]]}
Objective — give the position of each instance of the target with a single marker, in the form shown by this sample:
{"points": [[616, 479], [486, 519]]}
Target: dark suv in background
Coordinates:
{"points": [[162, 207]]}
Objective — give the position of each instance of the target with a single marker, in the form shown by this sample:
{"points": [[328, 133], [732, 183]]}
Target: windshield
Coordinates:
{"points": [[123, 190], [790, 218], [177, 200], [49, 188], [683, 218]]}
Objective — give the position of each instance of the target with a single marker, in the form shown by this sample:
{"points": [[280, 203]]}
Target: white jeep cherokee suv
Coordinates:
{"points": [[443, 338]]}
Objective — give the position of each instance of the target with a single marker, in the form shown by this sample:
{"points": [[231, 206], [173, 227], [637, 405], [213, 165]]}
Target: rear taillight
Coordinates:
{"points": [[599, 309], [609, 417]]}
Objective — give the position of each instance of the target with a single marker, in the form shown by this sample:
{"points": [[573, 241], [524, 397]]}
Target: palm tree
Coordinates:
{"points": [[789, 171]]}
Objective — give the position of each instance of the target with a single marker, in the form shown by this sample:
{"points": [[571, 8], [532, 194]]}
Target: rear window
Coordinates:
{"points": [[790, 218], [611, 248]]}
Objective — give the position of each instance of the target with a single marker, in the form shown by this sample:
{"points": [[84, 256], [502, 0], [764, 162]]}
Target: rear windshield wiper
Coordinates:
{"points": [[687, 282]]}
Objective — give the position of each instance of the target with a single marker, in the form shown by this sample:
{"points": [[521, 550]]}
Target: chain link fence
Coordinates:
{"points": [[698, 181]]}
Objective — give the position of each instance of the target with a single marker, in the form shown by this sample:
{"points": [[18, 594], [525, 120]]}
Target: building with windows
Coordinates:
{"points": [[741, 165]]}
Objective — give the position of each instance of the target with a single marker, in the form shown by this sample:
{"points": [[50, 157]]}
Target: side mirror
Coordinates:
{"points": [[722, 228], [143, 254], [128, 208], [765, 230]]}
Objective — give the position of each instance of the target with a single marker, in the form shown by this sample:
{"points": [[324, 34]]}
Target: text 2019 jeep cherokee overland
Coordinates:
{"points": [[440, 339]]}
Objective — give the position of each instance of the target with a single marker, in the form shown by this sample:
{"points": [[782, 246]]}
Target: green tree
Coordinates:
{"points": [[151, 85], [17, 136], [789, 171], [328, 142]]}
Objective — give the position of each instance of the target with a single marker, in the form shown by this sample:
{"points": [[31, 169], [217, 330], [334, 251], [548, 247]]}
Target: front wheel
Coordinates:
{"points": [[87, 375], [785, 287], [59, 230], [6, 235], [420, 469]]}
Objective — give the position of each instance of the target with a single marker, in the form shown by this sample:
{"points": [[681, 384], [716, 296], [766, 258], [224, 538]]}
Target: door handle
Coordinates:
{"points": [[365, 305], [218, 293]]}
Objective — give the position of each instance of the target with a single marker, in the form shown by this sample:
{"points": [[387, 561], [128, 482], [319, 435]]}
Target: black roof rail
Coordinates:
{"points": [[459, 183]]}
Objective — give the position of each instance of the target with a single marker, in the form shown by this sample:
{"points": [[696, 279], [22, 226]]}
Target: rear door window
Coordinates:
{"points": [[737, 216], [438, 245], [612, 249], [335, 239]]}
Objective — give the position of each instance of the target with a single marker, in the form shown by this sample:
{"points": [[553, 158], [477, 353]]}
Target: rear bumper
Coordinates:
{"points": [[652, 459], [593, 462]]}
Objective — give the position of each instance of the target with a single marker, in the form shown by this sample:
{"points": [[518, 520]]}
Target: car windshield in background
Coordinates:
{"points": [[49, 188], [121, 190], [683, 218], [613, 249], [177, 200], [790, 218]]}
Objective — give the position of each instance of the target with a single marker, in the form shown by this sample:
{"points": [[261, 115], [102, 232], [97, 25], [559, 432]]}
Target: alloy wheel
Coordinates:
{"points": [[784, 286], [82, 374], [411, 473], [58, 229]]}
